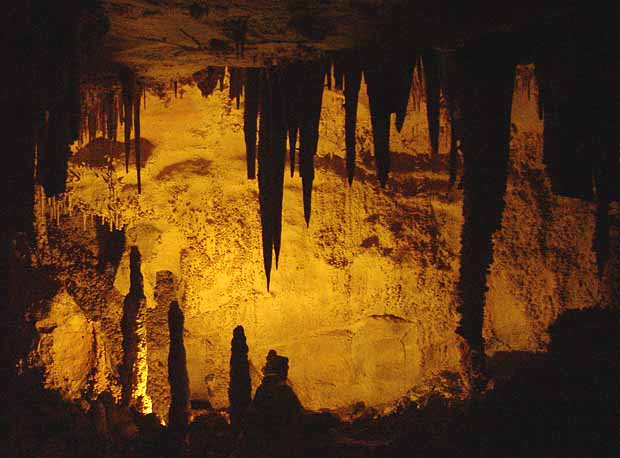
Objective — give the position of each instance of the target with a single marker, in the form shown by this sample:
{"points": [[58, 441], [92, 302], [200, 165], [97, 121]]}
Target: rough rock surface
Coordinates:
{"points": [[363, 300]]}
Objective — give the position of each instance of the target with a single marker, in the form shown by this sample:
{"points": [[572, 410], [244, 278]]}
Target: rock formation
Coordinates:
{"points": [[240, 385], [180, 414], [134, 369]]}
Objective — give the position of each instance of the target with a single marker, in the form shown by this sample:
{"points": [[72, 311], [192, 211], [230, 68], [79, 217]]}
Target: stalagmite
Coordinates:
{"points": [[180, 411], [431, 80], [250, 114], [240, 387], [487, 86], [134, 370], [136, 128]]}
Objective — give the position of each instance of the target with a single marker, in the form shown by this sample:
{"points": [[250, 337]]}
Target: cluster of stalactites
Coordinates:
{"points": [[106, 107], [285, 103]]}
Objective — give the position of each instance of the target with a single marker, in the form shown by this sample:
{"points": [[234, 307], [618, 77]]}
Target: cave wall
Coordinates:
{"points": [[363, 300]]}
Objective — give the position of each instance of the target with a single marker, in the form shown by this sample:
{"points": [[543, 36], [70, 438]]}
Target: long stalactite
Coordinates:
{"points": [[486, 87], [250, 117], [271, 159], [430, 62], [348, 68]]}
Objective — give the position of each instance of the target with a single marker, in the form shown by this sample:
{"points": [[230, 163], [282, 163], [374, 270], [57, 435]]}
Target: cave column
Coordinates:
{"points": [[487, 82], [134, 369]]}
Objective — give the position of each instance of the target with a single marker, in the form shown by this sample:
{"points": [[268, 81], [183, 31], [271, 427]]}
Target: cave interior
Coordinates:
{"points": [[219, 242]]}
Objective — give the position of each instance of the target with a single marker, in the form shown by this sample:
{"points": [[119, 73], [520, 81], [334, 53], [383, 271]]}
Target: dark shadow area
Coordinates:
{"points": [[111, 246], [198, 166], [561, 404], [97, 152]]}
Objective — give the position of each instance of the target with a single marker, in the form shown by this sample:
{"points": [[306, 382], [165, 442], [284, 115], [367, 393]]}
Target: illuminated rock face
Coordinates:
{"points": [[70, 349], [363, 300]]}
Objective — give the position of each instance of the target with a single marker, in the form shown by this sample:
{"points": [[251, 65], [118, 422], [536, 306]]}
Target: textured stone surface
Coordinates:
{"points": [[363, 300]]}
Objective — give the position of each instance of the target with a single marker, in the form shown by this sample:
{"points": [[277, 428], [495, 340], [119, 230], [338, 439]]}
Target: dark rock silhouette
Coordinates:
{"points": [[487, 86], [180, 414], [127, 80], [388, 74], [430, 62], [271, 158], [240, 387], [348, 72], [111, 243], [208, 79], [236, 84], [449, 85], [250, 116], [273, 419], [132, 329], [304, 96]]}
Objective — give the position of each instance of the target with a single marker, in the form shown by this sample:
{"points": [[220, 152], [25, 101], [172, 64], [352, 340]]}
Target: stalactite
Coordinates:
{"points": [[271, 158], [127, 83], [136, 129], [431, 80], [310, 89], [352, 81], [134, 370], [175, 88], [403, 77], [208, 79], [339, 70], [388, 73], [327, 69], [565, 154], [236, 84], [240, 385], [250, 114], [180, 411], [293, 133], [111, 116], [293, 102], [52, 171], [487, 86]]}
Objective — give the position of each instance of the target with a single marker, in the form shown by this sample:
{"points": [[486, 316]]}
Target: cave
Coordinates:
{"points": [[311, 228]]}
